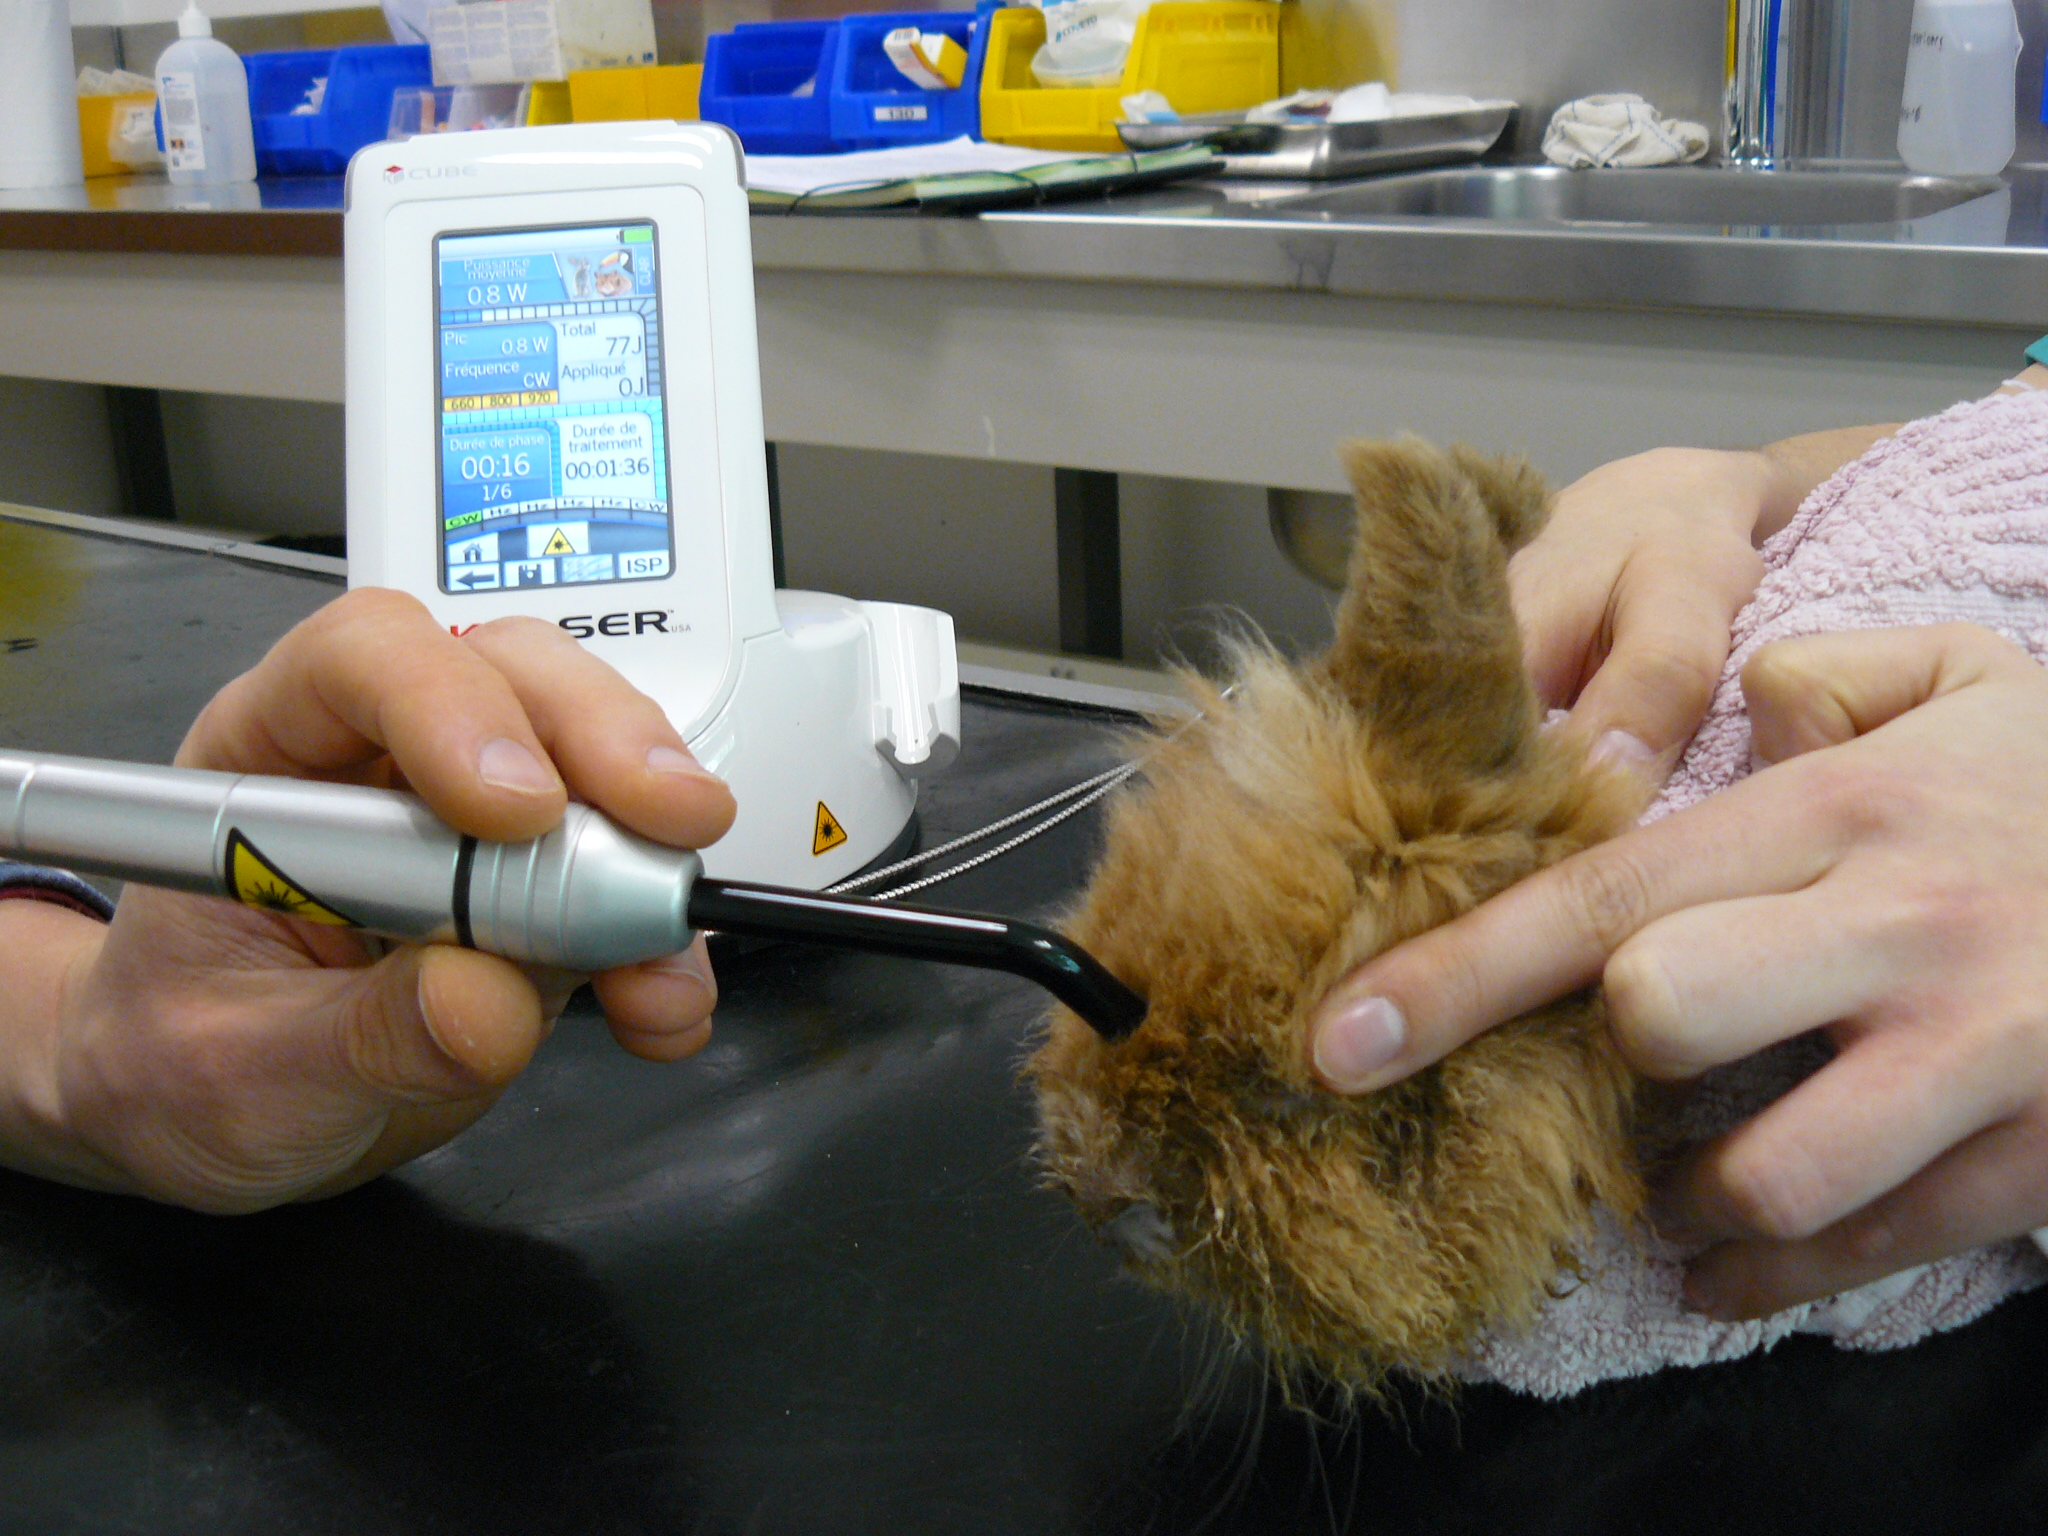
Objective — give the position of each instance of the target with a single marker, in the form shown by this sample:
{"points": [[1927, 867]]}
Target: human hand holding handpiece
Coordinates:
{"points": [[206, 1053], [1886, 879]]}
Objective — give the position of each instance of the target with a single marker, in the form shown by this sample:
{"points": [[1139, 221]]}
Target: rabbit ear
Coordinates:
{"points": [[1513, 494], [1427, 649]]}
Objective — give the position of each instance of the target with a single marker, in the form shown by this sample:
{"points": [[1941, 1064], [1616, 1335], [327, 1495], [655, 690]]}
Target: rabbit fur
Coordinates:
{"points": [[1315, 814]]}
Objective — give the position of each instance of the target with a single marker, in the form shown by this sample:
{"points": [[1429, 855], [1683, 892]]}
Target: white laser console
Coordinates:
{"points": [[554, 408]]}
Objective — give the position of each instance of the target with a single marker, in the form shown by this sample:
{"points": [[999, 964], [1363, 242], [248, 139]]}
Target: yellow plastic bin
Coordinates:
{"points": [[635, 95], [547, 101], [1202, 55], [97, 117]]}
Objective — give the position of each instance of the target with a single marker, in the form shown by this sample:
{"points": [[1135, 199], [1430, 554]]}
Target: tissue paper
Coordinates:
{"points": [[39, 144]]}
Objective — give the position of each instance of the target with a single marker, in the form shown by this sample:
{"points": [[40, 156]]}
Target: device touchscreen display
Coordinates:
{"points": [[554, 458]]}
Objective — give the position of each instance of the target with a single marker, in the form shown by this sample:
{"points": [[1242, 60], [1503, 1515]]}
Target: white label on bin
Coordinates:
{"points": [[916, 114], [179, 93]]}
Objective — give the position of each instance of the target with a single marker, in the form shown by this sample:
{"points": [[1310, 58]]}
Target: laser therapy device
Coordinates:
{"points": [[554, 409], [587, 895]]}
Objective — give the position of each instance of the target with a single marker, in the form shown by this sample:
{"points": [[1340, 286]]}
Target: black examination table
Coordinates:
{"points": [[804, 1283]]}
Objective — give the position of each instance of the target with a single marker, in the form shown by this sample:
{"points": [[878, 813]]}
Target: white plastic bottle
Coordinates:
{"points": [[1958, 113], [203, 91]]}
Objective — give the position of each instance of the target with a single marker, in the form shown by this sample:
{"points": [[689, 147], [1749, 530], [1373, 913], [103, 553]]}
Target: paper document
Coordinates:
{"points": [[798, 174]]}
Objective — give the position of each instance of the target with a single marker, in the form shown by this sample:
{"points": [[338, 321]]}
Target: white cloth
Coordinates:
{"points": [[1619, 130]]}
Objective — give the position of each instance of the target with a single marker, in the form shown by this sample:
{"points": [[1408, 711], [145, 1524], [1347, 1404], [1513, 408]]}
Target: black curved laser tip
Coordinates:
{"points": [[1037, 954]]}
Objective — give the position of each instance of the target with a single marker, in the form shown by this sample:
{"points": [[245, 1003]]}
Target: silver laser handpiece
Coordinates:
{"points": [[587, 895]]}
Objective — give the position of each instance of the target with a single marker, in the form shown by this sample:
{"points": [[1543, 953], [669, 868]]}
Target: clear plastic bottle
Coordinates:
{"points": [[1958, 113], [203, 92]]}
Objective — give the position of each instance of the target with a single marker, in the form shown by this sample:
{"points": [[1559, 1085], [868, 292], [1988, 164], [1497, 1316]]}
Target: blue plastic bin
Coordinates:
{"points": [[355, 111], [750, 74], [874, 107]]}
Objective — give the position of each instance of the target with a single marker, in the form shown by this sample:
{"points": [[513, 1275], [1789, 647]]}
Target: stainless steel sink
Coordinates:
{"points": [[1677, 195]]}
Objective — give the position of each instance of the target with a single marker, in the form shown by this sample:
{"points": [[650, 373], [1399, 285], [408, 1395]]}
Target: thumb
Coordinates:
{"points": [[1670, 642], [434, 1024], [1822, 690]]}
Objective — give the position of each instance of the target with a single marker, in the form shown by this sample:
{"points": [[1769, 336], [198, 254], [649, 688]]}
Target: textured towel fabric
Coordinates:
{"points": [[1947, 520], [1619, 130]]}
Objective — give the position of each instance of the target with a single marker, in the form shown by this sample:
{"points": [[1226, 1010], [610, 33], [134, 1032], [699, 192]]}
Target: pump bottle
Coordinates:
{"points": [[1958, 113], [203, 92]]}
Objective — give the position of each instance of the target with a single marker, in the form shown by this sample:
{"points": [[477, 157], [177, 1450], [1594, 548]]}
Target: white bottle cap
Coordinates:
{"points": [[194, 23]]}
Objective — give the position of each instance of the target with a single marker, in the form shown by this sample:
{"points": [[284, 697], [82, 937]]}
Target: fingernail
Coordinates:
{"points": [[1358, 1039], [507, 764], [1701, 1296], [1621, 750], [690, 963], [677, 760], [1672, 1224]]}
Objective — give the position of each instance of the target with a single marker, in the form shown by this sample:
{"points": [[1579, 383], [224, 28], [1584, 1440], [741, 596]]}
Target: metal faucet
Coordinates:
{"points": [[1750, 102]]}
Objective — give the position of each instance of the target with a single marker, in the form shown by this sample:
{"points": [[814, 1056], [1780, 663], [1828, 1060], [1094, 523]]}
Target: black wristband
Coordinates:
{"points": [[29, 882]]}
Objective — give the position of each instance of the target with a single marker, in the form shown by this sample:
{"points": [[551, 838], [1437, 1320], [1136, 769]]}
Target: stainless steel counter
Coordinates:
{"points": [[1967, 264], [1202, 332], [1979, 263]]}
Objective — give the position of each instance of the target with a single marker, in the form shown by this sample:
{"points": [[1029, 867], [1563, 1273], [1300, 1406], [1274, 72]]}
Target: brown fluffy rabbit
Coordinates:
{"points": [[1316, 814]]}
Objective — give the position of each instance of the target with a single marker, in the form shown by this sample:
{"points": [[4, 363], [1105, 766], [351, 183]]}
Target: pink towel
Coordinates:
{"points": [[1948, 520]]}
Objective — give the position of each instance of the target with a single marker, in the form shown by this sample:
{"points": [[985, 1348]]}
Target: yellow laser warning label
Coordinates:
{"points": [[256, 882], [559, 545], [827, 834]]}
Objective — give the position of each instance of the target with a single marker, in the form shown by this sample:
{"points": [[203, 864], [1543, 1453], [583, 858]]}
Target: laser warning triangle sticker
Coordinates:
{"points": [[256, 882], [559, 545], [827, 834]]}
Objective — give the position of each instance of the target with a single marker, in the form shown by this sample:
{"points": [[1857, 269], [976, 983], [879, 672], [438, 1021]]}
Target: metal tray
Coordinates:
{"points": [[1313, 151]]}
